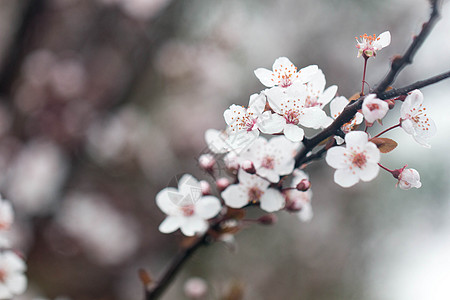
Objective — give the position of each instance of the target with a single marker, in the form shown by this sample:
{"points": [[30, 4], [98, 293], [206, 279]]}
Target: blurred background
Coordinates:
{"points": [[103, 102]]}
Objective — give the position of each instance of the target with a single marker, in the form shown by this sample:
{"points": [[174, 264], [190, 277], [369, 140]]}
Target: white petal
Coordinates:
{"points": [[17, 283], [337, 106], [307, 73], [408, 126], [306, 214], [345, 178], [265, 76], [372, 153], [276, 97], [170, 224], [356, 138], [336, 157], [282, 62], [189, 185], [242, 140], [231, 114], [313, 117], [256, 104], [193, 225], [293, 132], [13, 262], [272, 200], [235, 196], [270, 123], [383, 40], [207, 207], [269, 174], [327, 95], [317, 82], [369, 172], [413, 100], [5, 292], [167, 200]]}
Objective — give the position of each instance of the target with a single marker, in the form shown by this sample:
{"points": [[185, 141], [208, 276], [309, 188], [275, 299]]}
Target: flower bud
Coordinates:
{"points": [[231, 162], [303, 185], [391, 103], [409, 178], [195, 288], [206, 162], [248, 167], [268, 219], [206, 187], [222, 183], [293, 205]]}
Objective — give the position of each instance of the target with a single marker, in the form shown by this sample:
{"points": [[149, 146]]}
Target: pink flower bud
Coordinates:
{"points": [[268, 219], [248, 167], [303, 185], [222, 183], [206, 161], [195, 288], [409, 178], [206, 187], [294, 205]]}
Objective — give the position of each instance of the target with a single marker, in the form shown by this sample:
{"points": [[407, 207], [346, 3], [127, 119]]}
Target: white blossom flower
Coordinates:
{"points": [[272, 158], [243, 123], [317, 95], [337, 105], [414, 119], [297, 200], [409, 178], [284, 74], [12, 278], [6, 214], [373, 108], [186, 208], [253, 189], [293, 111], [369, 45], [357, 161]]}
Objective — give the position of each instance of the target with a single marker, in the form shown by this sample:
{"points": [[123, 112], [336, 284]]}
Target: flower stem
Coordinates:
{"points": [[383, 167], [390, 128], [364, 75]]}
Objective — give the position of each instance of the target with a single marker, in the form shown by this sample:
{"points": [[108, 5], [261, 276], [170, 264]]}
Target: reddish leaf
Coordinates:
{"points": [[384, 145]]}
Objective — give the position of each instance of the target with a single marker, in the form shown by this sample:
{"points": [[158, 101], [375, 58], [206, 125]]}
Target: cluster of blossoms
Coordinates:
{"points": [[12, 266], [262, 143]]}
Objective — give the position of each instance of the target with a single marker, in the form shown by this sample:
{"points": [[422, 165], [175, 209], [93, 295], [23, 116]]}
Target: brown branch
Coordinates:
{"points": [[400, 62], [179, 260], [350, 110], [416, 85]]}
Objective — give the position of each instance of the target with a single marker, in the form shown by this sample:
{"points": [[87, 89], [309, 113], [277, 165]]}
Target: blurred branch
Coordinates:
{"points": [[350, 110], [174, 268], [17, 50]]}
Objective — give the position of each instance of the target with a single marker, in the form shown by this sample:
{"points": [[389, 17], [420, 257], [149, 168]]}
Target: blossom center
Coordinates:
{"points": [[291, 117], [359, 160], [187, 210], [268, 162], [254, 194], [373, 106]]}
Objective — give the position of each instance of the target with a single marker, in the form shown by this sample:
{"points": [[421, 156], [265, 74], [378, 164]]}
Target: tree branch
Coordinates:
{"points": [[416, 85], [179, 260], [350, 110]]}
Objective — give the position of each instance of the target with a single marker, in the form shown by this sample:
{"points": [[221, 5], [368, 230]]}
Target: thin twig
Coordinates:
{"points": [[416, 85], [175, 266]]}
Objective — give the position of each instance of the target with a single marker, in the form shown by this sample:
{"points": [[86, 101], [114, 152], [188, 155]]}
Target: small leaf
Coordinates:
{"points": [[384, 145]]}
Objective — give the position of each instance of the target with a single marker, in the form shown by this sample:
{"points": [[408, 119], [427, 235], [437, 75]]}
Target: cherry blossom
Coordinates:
{"points": [[415, 120], [253, 189], [13, 281], [369, 45], [292, 109], [373, 108], [216, 141], [408, 179], [272, 158], [186, 208], [317, 95], [337, 105], [243, 123], [284, 74], [357, 161]]}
